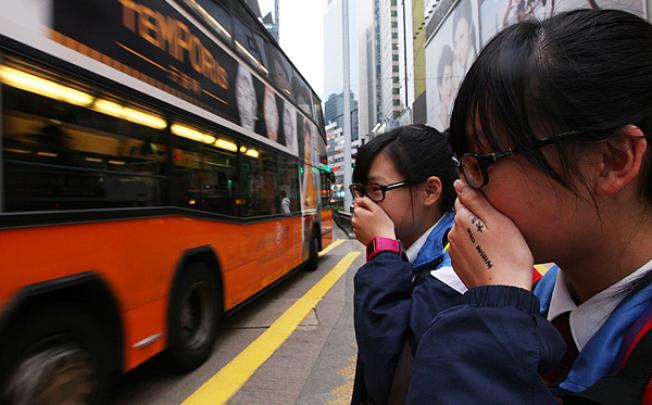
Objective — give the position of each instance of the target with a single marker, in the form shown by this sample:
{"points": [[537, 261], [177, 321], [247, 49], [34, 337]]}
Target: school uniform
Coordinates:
{"points": [[394, 302], [500, 346]]}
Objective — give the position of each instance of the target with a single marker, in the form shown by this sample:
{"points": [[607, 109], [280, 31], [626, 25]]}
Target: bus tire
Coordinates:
{"points": [[196, 313], [56, 354], [313, 260]]}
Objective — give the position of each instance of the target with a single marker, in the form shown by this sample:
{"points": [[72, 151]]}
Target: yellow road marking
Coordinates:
{"points": [[226, 383], [332, 246]]}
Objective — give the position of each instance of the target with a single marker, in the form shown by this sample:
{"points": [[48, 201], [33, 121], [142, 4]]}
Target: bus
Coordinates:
{"points": [[163, 163]]}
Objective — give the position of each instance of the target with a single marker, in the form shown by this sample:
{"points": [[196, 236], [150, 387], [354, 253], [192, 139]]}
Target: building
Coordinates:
{"points": [[271, 21], [335, 152], [390, 68], [334, 71]]}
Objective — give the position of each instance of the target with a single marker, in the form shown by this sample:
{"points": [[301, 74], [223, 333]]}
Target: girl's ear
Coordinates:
{"points": [[621, 161], [432, 190]]}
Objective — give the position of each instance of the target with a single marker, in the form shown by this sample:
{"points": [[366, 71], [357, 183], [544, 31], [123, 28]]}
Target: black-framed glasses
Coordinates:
{"points": [[474, 166], [375, 191]]}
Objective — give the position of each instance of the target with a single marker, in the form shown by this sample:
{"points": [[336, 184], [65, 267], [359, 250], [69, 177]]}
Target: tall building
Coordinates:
{"points": [[390, 68], [335, 153], [334, 60], [418, 32], [369, 105], [341, 81], [271, 21]]}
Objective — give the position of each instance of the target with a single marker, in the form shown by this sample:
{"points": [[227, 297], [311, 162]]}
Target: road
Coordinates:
{"points": [[315, 365]]}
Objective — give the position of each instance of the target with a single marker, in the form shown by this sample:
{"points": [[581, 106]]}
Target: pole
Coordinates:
{"points": [[405, 61], [347, 104]]}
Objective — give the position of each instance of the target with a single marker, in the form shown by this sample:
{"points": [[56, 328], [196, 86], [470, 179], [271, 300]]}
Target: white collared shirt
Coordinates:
{"points": [[586, 319]]}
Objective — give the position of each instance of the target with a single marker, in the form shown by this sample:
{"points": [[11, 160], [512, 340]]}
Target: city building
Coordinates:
{"points": [[271, 21], [390, 67]]}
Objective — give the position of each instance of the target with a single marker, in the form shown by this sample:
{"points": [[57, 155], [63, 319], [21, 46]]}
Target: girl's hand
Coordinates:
{"points": [[486, 247], [369, 221]]}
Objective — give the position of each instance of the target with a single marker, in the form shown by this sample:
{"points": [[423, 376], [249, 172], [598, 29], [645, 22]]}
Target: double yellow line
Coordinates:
{"points": [[226, 383]]}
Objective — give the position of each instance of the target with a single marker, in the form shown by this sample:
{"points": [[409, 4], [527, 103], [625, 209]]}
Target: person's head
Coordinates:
{"points": [[463, 34], [283, 194], [246, 98], [584, 80], [420, 156], [445, 75]]}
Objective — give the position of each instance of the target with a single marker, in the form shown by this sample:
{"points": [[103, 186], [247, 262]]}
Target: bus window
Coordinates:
{"points": [[326, 191], [289, 182], [184, 188], [61, 156], [258, 191], [217, 181]]}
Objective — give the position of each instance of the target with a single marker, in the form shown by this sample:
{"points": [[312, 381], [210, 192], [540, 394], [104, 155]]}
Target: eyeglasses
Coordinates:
{"points": [[474, 166], [375, 192]]}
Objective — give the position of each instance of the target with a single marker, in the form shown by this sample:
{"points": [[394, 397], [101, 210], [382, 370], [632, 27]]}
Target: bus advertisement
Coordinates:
{"points": [[163, 163]]}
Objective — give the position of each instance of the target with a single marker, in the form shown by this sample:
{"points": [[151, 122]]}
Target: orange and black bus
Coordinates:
{"points": [[162, 162]]}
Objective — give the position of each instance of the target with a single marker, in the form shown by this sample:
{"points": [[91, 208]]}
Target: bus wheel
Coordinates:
{"points": [[313, 261], [196, 312], [56, 355]]}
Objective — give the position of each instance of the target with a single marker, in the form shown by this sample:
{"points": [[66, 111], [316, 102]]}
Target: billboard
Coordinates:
{"points": [[449, 55], [454, 43], [152, 41], [498, 14]]}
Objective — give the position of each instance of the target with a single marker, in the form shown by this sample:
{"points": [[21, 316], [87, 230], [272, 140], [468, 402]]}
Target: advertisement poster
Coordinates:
{"points": [[449, 54], [181, 61], [498, 14]]}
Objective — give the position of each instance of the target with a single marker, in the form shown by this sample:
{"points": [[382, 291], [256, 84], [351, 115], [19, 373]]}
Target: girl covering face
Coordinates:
{"points": [[403, 190], [549, 129]]}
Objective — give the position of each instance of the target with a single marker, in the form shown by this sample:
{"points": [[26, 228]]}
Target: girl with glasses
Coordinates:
{"points": [[549, 131], [403, 190]]}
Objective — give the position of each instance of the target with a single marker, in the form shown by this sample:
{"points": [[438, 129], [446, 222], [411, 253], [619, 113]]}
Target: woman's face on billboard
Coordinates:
{"points": [[271, 114], [246, 98], [446, 85], [289, 124], [462, 40]]}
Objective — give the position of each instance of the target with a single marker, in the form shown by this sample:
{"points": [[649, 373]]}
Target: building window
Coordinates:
{"points": [[395, 57], [396, 91], [394, 35], [396, 102], [394, 68]]}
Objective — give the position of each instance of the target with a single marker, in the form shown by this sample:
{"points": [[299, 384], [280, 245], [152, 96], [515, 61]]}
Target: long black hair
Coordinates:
{"points": [[417, 152], [588, 71]]}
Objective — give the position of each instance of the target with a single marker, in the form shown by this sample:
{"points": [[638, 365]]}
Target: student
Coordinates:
{"points": [[549, 128], [403, 188]]}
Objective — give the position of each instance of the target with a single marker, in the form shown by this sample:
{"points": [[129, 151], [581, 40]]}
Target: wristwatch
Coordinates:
{"points": [[382, 244]]}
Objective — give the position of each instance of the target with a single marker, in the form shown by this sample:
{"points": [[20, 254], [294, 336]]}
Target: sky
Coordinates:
{"points": [[302, 36]]}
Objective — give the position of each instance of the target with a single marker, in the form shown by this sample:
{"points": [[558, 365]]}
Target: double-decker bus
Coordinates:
{"points": [[162, 162]]}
